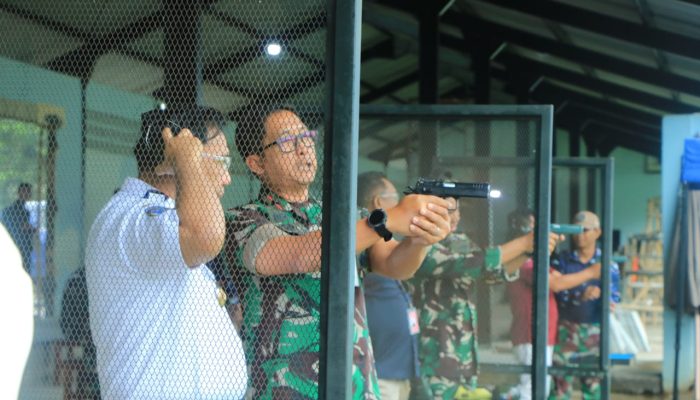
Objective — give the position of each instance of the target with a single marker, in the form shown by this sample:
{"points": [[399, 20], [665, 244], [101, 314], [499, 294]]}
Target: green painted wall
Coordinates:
{"points": [[633, 187]]}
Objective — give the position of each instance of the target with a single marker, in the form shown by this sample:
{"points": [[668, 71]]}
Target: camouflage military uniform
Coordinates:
{"points": [[577, 345], [281, 314], [441, 288], [578, 340]]}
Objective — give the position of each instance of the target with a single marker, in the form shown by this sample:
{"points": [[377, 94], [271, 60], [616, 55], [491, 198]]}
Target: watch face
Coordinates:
{"points": [[377, 217], [377, 220]]}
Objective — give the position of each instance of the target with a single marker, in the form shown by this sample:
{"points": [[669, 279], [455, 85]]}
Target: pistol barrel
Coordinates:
{"points": [[566, 229]]}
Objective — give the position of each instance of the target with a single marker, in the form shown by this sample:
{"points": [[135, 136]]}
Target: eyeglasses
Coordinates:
{"points": [[224, 160], [289, 143]]}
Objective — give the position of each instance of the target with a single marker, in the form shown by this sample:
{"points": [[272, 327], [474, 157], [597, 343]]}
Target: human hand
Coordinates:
{"points": [[527, 242], [423, 216], [590, 293], [180, 153], [554, 240], [424, 233]]}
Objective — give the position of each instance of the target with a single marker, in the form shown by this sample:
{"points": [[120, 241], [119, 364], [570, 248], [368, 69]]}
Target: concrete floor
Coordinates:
{"points": [[643, 375], [639, 380], [618, 396]]}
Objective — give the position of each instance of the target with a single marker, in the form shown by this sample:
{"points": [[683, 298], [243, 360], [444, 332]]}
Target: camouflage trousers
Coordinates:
{"points": [[577, 345], [439, 388]]}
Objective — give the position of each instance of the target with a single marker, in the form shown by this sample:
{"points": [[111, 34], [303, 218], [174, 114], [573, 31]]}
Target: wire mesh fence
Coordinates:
{"points": [[140, 185], [170, 221]]}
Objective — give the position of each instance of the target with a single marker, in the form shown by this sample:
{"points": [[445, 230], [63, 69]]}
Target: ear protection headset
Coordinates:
{"points": [[195, 118]]}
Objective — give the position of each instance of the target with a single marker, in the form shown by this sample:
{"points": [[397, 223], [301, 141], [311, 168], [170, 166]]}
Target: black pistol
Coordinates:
{"points": [[440, 188]]}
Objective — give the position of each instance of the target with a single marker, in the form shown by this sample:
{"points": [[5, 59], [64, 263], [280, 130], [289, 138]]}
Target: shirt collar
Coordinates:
{"points": [[269, 197], [308, 211], [593, 260], [137, 187]]}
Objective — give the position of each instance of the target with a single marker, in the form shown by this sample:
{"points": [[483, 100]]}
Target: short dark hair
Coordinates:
{"points": [[516, 219], [250, 129], [440, 172], [198, 119], [367, 184], [24, 185]]}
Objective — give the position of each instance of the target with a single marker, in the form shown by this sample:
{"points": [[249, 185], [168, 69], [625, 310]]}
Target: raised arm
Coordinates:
{"points": [[422, 217], [400, 260], [515, 252], [431, 223], [202, 229], [287, 254], [518, 250]]}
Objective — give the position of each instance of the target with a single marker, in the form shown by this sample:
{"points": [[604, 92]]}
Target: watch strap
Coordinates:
{"points": [[379, 226]]}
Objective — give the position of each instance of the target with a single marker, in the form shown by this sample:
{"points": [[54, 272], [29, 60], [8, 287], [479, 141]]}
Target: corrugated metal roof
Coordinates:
{"points": [[579, 56]]}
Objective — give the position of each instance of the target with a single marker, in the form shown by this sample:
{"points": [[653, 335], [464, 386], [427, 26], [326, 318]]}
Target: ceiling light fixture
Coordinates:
{"points": [[273, 49]]}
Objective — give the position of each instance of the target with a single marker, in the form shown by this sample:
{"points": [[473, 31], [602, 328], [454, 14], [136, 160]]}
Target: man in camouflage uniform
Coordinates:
{"points": [[441, 290], [273, 251], [578, 337]]}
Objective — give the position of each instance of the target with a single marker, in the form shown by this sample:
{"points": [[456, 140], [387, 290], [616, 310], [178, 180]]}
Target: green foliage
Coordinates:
{"points": [[19, 157]]}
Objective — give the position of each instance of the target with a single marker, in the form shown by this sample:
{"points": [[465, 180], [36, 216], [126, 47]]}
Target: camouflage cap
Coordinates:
{"points": [[587, 219]]}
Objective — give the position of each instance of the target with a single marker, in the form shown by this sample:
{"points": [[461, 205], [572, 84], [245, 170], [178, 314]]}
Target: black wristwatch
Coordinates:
{"points": [[377, 221]]}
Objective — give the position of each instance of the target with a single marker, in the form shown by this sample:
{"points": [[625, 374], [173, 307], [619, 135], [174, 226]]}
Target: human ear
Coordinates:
{"points": [[255, 164], [376, 202]]}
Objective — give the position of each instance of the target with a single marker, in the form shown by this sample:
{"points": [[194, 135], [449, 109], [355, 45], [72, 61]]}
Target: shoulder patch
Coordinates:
{"points": [[155, 211]]}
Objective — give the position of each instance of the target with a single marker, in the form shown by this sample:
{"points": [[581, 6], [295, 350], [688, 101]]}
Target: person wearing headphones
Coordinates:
{"points": [[159, 329]]}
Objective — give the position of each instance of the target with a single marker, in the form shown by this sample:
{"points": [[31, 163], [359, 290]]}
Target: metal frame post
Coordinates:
{"points": [[182, 70], [540, 317], [603, 368], [340, 192], [607, 211]]}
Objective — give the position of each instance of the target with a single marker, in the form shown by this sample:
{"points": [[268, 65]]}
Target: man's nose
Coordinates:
{"points": [[299, 147]]}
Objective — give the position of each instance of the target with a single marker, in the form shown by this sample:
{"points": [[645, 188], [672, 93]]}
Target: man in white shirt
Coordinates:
{"points": [[155, 314]]}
